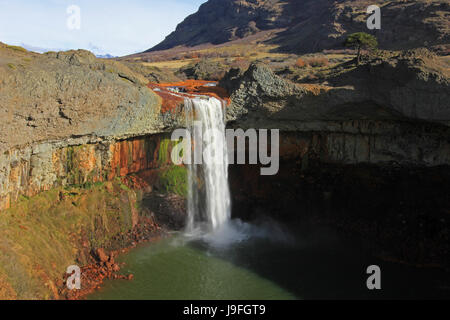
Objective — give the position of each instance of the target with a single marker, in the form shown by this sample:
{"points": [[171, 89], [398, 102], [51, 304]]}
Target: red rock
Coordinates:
{"points": [[130, 277], [101, 255]]}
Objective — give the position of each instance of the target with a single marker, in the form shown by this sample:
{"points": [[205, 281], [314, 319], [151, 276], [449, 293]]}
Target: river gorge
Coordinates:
{"points": [[363, 178], [295, 247]]}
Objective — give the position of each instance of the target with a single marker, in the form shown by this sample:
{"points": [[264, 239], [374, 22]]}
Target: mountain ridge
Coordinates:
{"points": [[313, 25]]}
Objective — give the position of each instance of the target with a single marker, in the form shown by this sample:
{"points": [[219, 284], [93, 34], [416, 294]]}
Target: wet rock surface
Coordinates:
{"points": [[103, 265], [41, 167]]}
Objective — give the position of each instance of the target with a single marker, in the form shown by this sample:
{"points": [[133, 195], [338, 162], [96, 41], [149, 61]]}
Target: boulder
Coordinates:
{"points": [[204, 70], [61, 95]]}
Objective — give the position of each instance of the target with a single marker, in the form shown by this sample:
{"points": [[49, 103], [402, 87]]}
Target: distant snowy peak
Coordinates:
{"points": [[105, 56]]}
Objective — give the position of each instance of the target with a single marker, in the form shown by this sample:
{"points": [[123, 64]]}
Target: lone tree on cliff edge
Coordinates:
{"points": [[361, 40]]}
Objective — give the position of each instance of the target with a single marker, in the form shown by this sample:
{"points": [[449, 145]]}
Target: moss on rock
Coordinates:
{"points": [[174, 180]]}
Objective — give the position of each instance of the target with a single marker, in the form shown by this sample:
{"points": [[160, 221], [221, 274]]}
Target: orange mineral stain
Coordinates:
{"points": [[172, 99]]}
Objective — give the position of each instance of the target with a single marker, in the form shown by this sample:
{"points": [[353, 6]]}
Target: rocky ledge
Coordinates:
{"points": [[71, 94], [391, 109], [65, 117]]}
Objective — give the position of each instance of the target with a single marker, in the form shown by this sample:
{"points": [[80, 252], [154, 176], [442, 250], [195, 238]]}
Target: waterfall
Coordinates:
{"points": [[209, 195]]}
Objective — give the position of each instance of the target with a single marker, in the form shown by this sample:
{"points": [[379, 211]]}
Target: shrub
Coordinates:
{"points": [[318, 62], [359, 41], [192, 55], [174, 180], [300, 63]]}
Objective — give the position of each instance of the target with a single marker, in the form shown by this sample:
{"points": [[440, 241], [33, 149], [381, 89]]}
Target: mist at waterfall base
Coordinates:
{"points": [[217, 257]]}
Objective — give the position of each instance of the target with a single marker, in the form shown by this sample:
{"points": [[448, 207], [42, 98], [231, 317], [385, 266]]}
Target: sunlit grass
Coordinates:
{"points": [[43, 235]]}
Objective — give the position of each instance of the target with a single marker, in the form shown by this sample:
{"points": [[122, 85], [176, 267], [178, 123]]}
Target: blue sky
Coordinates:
{"points": [[117, 27]]}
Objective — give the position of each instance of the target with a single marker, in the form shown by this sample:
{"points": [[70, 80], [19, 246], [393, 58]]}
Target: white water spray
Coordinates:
{"points": [[209, 195]]}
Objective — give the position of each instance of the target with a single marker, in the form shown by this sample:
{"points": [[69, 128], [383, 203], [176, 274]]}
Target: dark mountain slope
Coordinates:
{"points": [[219, 21], [311, 25]]}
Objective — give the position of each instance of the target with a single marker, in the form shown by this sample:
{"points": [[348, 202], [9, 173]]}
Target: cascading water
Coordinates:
{"points": [[209, 194]]}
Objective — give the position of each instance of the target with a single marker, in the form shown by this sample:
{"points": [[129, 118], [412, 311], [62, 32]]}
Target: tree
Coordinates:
{"points": [[361, 40]]}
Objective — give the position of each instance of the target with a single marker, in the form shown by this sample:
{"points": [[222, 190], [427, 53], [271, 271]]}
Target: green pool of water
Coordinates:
{"points": [[311, 264], [167, 270]]}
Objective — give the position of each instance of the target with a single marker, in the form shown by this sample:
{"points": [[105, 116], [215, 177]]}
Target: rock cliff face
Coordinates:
{"points": [[71, 94], [68, 118], [82, 144], [368, 152], [387, 110], [379, 113], [414, 84], [313, 25], [41, 167]]}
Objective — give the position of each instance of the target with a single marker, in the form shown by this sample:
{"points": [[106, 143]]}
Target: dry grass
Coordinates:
{"points": [[318, 62], [225, 55], [445, 60], [41, 236], [17, 48], [172, 64]]}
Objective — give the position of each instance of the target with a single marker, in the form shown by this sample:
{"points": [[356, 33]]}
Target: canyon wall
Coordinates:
{"points": [[367, 152], [82, 144], [392, 110], [44, 166], [362, 116], [68, 118]]}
